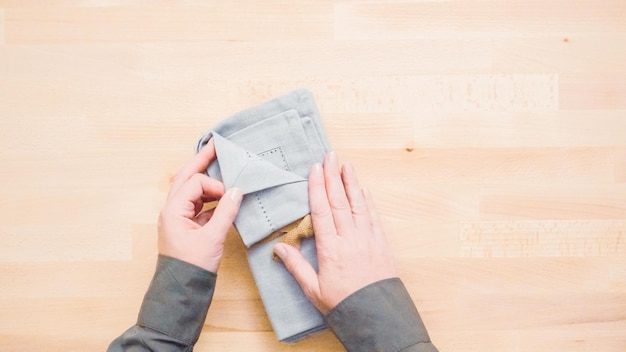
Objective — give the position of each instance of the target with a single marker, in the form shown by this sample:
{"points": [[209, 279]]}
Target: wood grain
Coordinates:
{"points": [[491, 134]]}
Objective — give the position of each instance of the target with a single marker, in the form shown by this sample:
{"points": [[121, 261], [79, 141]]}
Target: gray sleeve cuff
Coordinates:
{"points": [[380, 317], [177, 300]]}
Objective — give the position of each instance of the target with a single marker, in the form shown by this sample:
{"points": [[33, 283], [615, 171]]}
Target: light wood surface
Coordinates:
{"points": [[492, 134]]}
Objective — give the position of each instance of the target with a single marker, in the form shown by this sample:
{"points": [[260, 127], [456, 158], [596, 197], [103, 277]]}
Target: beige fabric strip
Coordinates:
{"points": [[295, 232]]}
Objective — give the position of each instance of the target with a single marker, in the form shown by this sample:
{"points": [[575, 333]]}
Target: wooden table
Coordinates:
{"points": [[491, 133]]}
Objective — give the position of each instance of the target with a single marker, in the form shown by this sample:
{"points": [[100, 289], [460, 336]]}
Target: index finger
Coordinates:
{"points": [[337, 198], [321, 215], [192, 191], [197, 164]]}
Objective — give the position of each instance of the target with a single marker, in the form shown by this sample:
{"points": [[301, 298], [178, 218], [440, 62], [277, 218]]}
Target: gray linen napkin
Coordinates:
{"points": [[267, 151]]}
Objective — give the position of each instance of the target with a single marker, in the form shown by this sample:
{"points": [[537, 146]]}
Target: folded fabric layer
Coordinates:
{"points": [[267, 151]]}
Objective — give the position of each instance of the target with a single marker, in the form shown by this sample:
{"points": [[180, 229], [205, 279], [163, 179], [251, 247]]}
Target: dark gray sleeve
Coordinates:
{"points": [[380, 317], [173, 310]]}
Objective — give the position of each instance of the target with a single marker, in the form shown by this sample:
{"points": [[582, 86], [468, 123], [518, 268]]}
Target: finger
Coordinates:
{"points": [[373, 215], [198, 163], [204, 217], [360, 214], [198, 205], [199, 186], [302, 271], [224, 215], [336, 193], [323, 223]]}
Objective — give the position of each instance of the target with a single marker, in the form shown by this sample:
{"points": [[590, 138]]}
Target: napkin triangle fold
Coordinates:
{"points": [[246, 170]]}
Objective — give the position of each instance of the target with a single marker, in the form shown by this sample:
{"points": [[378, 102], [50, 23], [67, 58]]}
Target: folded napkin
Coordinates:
{"points": [[267, 151]]}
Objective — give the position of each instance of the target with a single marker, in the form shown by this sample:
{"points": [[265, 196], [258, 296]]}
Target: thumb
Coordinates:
{"points": [[301, 270], [224, 214]]}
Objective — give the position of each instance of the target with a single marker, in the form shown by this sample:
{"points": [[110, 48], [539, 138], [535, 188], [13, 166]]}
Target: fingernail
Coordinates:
{"points": [[235, 194], [280, 251], [317, 169], [349, 168], [333, 157]]}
